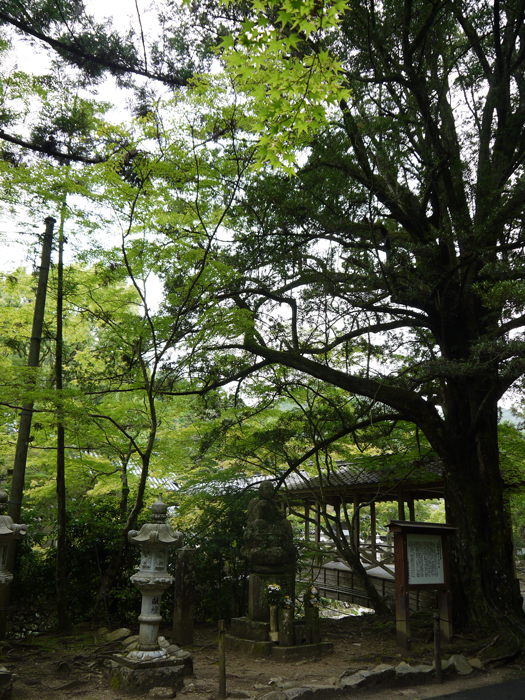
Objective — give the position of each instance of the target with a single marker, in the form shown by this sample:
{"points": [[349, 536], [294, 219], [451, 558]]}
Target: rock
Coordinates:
{"points": [[332, 680], [102, 631], [120, 633], [461, 664], [355, 681], [241, 694], [163, 642], [201, 687], [172, 649], [379, 674], [408, 674], [274, 695], [423, 668], [325, 692], [299, 694], [447, 666], [182, 654], [286, 685], [161, 692], [369, 678], [477, 664], [275, 680], [130, 640], [348, 672]]}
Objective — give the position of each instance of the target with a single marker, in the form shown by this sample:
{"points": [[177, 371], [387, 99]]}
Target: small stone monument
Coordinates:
{"points": [[150, 666], [270, 630], [269, 549]]}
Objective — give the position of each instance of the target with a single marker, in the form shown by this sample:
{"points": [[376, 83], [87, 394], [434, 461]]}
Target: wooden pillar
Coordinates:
{"points": [[445, 602], [337, 513], [402, 595], [445, 616], [306, 522], [317, 533], [401, 506], [355, 521], [222, 661], [411, 510], [373, 534]]}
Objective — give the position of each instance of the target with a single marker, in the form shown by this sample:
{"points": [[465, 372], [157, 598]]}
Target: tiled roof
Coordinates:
{"points": [[355, 475]]}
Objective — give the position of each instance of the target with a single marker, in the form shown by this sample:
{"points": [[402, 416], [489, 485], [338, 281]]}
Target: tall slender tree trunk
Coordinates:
{"points": [[26, 415], [64, 623]]}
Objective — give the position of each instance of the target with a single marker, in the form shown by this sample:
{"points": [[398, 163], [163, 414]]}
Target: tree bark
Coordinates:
{"points": [[26, 415], [485, 590], [64, 622]]}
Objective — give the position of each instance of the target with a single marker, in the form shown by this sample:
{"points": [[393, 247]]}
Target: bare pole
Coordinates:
{"points": [[222, 661], [26, 415], [437, 649]]}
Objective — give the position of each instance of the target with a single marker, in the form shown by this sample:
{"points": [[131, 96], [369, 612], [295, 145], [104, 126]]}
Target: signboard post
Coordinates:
{"points": [[421, 563]]}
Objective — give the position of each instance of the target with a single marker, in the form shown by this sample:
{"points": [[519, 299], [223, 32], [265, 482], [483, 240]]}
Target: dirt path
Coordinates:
{"points": [[64, 668]]}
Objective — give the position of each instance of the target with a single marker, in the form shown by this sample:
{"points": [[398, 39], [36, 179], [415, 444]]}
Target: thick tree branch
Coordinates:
{"points": [[48, 151], [77, 52]]}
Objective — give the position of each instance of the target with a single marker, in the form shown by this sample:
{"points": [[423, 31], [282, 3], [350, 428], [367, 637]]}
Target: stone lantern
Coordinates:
{"points": [[9, 531], [152, 579]]}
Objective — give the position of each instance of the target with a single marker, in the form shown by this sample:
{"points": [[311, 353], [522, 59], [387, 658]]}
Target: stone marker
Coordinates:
{"points": [[184, 599]]}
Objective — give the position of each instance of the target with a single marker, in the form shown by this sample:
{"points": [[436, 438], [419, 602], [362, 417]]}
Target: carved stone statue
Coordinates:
{"points": [[268, 540]]}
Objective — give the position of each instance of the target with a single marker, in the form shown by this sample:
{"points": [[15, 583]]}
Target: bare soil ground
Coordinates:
{"points": [[51, 667]]}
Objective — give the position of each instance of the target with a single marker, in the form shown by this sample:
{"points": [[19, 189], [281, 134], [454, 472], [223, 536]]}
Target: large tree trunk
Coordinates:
{"points": [[486, 592]]}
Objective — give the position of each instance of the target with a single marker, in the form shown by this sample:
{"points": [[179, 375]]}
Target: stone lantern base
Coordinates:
{"points": [[136, 677]]}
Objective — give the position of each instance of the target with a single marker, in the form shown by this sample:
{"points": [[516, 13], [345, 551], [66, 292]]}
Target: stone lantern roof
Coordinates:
{"points": [[157, 531]]}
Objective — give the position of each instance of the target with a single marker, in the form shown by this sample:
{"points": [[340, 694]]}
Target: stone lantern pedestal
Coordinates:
{"points": [[149, 666]]}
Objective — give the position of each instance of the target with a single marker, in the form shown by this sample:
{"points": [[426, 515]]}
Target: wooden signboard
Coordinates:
{"points": [[421, 563]]}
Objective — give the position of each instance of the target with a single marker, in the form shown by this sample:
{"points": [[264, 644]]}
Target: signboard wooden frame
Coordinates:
{"points": [[421, 563]]}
